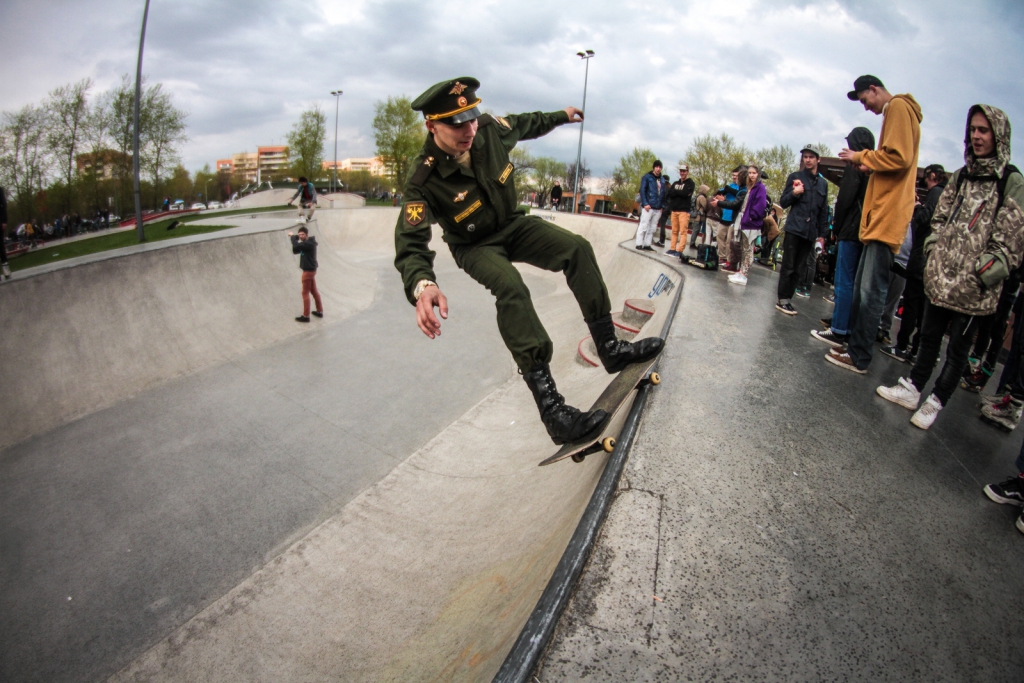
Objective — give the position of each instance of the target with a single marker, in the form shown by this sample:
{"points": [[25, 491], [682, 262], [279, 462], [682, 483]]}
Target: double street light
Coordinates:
{"points": [[585, 56], [337, 98]]}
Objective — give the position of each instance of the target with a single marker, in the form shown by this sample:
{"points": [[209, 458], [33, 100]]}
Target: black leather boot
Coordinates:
{"points": [[615, 353], [564, 423]]}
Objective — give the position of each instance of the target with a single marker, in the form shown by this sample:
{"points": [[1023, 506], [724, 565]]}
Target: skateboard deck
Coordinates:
{"points": [[613, 401]]}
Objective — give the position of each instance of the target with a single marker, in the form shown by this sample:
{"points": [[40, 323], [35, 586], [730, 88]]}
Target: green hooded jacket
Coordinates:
{"points": [[971, 250]]}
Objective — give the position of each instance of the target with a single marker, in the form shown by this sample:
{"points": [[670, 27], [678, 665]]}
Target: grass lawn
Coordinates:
{"points": [[116, 240]]}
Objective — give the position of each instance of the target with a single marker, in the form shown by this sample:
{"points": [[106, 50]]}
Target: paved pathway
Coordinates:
{"points": [[779, 521]]}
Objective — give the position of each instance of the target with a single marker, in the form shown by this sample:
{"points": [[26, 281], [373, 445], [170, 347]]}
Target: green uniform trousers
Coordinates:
{"points": [[544, 245]]}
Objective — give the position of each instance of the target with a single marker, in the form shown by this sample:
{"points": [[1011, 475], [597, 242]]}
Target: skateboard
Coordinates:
{"points": [[613, 401]]}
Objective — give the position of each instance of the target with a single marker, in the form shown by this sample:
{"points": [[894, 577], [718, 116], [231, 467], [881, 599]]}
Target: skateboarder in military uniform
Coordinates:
{"points": [[464, 181]]}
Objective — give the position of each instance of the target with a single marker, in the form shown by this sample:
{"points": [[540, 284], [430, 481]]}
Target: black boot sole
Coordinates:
{"points": [[593, 432]]}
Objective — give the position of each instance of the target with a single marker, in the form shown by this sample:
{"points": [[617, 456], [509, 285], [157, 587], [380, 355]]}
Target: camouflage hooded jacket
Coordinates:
{"points": [[973, 250]]}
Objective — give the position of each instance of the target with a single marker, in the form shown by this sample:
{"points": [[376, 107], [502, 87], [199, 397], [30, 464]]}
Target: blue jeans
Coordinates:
{"points": [[869, 293], [846, 273]]}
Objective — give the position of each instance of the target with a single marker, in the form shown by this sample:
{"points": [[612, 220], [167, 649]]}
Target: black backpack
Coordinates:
{"points": [[707, 256], [962, 176]]}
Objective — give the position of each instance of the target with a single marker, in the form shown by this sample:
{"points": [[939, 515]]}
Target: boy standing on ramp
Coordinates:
{"points": [[464, 181]]}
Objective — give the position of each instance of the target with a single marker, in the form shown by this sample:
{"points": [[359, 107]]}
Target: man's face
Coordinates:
{"points": [[871, 99], [657, 171], [453, 138], [683, 174], [303, 235], [735, 177], [809, 161], [931, 180], [983, 140]]}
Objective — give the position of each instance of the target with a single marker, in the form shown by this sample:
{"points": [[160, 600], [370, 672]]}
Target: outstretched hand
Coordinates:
{"points": [[575, 115], [425, 318]]}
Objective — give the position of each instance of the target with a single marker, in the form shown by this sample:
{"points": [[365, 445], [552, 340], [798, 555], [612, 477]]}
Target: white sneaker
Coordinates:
{"points": [[926, 414], [904, 394], [738, 279], [7, 270]]}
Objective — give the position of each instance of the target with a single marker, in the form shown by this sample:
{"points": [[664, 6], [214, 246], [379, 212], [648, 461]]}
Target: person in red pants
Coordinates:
{"points": [[305, 246]]}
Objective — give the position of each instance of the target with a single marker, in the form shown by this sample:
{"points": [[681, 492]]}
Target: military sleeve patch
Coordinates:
{"points": [[415, 212], [503, 121], [506, 173]]}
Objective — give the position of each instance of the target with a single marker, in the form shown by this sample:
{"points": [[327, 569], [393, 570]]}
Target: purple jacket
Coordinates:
{"points": [[753, 215]]}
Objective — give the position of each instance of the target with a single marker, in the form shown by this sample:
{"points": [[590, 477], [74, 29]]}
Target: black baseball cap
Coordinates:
{"points": [[863, 83]]}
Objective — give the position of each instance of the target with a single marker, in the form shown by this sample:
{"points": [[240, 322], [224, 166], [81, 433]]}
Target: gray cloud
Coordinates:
{"points": [[765, 72]]}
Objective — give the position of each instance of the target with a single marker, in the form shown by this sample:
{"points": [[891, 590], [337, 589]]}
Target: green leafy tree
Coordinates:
{"points": [[306, 143], [543, 176], [181, 186], [777, 162], [712, 158], [399, 134], [627, 174]]}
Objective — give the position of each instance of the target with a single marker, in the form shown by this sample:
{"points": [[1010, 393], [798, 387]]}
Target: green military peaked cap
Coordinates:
{"points": [[452, 101]]}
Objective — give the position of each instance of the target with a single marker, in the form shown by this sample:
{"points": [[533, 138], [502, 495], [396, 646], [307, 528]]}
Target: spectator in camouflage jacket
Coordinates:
{"points": [[972, 249]]}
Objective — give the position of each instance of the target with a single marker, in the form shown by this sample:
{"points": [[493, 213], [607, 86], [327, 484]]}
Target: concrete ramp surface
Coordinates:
{"points": [[343, 501]]}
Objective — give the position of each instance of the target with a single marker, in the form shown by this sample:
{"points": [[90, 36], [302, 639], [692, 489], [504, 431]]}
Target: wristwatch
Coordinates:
{"points": [[420, 286]]}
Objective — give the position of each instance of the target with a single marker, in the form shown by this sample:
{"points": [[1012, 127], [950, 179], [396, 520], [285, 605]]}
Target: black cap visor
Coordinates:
{"points": [[462, 117]]}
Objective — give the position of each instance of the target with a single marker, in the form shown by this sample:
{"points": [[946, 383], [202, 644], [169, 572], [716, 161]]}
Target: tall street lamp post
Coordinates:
{"points": [[135, 130], [585, 56], [337, 99]]}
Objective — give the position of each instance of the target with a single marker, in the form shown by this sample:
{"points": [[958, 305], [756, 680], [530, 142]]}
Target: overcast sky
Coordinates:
{"points": [[764, 72]]}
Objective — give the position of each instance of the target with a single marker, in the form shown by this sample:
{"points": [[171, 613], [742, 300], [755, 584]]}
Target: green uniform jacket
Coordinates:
{"points": [[468, 204]]}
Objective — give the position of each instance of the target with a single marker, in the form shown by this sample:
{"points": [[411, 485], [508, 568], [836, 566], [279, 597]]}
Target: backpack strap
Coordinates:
{"points": [[1001, 185]]}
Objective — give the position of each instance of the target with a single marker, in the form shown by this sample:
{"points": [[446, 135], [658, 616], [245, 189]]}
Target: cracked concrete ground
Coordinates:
{"points": [[779, 521]]}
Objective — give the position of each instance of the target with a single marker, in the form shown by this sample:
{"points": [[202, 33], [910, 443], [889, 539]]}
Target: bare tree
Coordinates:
{"points": [[712, 158], [162, 135], [626, 176], [24, 161], [67, 114]]}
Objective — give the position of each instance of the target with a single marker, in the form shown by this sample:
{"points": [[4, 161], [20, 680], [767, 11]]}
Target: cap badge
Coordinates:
{"points": [[460, 196], [463, 101], [457, 89]]}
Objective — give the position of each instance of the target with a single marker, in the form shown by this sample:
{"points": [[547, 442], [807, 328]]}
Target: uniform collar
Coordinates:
{"points": [[447, 165]]}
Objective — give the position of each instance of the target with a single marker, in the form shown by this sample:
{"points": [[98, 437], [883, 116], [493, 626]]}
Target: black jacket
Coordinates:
{"points": [[735, 204], [3, 208], [920, 228], [307, 249], [850, 200], [679, 195], [556, 192], [808, 212]]}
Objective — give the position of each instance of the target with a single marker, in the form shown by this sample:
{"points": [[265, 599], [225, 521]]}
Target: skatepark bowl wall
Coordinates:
{"points": [[427, 575]]}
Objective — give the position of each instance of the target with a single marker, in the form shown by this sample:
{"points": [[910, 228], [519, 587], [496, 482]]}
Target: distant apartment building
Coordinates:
{"points": [[372, 164], [265, 160], [102, 163]]}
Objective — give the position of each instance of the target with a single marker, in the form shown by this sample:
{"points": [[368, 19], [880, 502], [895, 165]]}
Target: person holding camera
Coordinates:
{"points": [[806, 197], [305, 246]]}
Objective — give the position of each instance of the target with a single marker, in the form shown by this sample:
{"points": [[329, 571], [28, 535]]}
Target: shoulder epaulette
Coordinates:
{"points": [[485, 120], [422, 171]]}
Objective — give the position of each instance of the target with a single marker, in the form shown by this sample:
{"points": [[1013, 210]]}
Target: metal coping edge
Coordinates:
{"points": [[540, 627]]}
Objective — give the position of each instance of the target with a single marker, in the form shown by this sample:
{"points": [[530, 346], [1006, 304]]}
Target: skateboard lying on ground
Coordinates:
{"points": [[613, 401]]}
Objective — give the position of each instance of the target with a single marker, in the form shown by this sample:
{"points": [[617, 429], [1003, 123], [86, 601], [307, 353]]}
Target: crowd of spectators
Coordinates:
{"points": [[947, 263]]}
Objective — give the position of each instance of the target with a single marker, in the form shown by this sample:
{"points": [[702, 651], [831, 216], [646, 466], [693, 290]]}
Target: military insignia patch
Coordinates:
{"points": [[505, 174], [463, 101], [466, 214], [415, 212], [503, 121], [460, 196], [457, 89], [429, 161]]}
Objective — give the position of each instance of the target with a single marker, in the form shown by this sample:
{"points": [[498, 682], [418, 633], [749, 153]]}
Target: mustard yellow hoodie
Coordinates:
{"points": [[889, 200]]}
